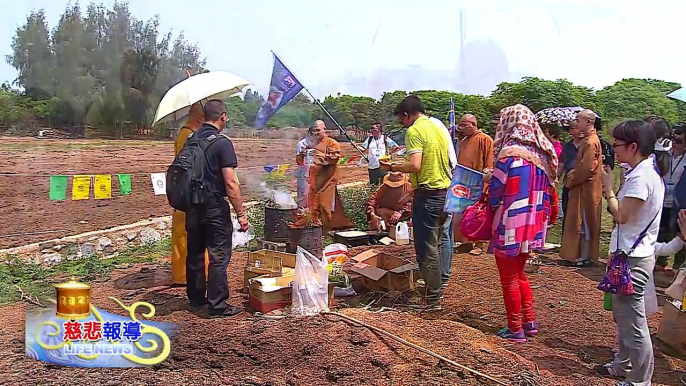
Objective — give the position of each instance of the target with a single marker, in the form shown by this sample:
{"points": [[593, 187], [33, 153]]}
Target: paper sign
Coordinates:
{"points": [[81, 188], [103, 187], [58, 188], [159, 183], [124, 184]]}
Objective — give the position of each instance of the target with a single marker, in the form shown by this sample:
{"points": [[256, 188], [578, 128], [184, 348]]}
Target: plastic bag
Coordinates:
{"points": [[240, 239], [311, 284]]}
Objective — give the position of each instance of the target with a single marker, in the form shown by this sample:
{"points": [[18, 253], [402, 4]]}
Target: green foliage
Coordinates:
{"points": [[636, 98], [354, 203], [38, 281], [104, 67]]}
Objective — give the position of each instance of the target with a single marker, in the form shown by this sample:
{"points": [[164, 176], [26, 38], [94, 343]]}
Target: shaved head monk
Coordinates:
{"points": [[581, 234], [475, 152]]}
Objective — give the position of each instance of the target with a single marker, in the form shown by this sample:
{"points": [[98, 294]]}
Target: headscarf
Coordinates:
{"points": [[519, 135]]}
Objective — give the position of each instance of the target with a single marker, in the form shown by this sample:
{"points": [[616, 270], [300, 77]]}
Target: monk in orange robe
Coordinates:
{"points": [[196, 118], [325, 203]]}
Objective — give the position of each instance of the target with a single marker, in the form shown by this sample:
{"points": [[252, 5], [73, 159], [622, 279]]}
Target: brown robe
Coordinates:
{"points": [[388, 200], [323, 182], [585, 196]]}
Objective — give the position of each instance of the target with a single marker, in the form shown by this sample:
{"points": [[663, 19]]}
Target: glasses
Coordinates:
{"points": [[616, 145], [678, 141]]}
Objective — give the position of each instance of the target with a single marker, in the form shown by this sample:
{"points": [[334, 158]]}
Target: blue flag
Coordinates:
{"points": [[283, 88], [451, 120]]}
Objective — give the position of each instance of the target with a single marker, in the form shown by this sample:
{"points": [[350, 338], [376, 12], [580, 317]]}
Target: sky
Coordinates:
{"points": [[365, 47]]}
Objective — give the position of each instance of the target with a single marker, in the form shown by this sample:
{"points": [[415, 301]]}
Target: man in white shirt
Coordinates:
{"points": [[376, 146]]}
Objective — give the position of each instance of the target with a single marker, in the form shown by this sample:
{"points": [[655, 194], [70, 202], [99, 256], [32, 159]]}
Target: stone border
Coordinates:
{"points": [[105, 242]]}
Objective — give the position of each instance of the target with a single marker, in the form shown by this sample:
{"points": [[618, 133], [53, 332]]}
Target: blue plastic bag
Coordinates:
{"points": [[465, 189]]}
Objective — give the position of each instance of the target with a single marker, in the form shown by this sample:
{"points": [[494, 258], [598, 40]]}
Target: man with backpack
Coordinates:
{"points": [[377, 145], [199, 180]]}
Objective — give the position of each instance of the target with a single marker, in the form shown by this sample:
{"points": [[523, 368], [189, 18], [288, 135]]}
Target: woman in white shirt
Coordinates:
{"points": [[636, 209]]}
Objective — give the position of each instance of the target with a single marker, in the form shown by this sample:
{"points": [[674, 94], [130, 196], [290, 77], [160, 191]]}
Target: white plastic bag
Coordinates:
{"points": [[239, 239], [311, 285]]}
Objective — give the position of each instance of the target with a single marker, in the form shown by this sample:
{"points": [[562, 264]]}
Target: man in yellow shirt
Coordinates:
{"points": [[429, 167], [196, 118]]}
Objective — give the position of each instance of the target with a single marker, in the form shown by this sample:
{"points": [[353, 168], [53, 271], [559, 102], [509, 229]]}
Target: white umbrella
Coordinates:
{"points": [[679, 94], [202, 87]]}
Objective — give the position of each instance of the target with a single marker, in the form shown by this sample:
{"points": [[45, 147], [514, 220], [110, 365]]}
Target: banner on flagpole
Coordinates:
{"points": [[284, 87]]}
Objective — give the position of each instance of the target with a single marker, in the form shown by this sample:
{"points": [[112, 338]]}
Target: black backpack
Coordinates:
{"points": [[608, 153], [185, 185]]}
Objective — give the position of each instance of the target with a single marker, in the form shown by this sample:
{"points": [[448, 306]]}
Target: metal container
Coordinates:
{"points": [[73, 300], [275, 223], [309, 239]]}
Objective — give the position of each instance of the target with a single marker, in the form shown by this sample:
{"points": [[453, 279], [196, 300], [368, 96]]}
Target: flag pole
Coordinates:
{"points": [[323, 108]]}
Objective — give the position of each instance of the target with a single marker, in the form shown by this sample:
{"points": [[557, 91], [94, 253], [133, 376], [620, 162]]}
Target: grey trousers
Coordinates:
{"points": [[635, 359]]}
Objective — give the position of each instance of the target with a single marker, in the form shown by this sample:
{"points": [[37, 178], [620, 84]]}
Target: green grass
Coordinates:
{"points": [[38, 281]]}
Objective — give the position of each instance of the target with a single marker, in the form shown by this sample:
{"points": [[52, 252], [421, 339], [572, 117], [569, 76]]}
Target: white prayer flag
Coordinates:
{"points": [[159, 183]]}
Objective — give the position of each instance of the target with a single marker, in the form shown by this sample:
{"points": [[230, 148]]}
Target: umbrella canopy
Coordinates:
{"points": [[202, 87], [679, 94], [562, 116]]}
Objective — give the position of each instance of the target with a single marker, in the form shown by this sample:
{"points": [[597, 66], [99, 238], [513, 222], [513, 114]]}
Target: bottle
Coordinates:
{"points": [[607, 301]]}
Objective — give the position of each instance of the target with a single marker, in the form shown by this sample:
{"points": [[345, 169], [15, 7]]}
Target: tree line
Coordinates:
{"points": [[107, 69]]}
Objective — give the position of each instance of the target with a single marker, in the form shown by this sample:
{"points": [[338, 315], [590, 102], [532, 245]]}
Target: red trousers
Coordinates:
{"points": [[519, 303]]}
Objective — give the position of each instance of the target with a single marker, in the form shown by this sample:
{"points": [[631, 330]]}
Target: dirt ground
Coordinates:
{"points": [[576, 333], [25, 203]]}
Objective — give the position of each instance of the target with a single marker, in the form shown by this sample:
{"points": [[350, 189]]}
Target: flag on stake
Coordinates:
{"points": [[124, 184], [270, 168], [58, 188], [451, 120], [343, 160], [80, 187], [284, 86], [281, 169], [159, 183], [353, 159], [103, 187]]}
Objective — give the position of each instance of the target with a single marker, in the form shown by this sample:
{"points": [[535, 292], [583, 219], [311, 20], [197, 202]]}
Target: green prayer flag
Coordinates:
{"points": [[124, 184], [58, 188]]}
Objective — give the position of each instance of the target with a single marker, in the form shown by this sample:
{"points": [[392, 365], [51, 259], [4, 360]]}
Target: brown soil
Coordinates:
{"points": [[26, 207], [576, 334]]}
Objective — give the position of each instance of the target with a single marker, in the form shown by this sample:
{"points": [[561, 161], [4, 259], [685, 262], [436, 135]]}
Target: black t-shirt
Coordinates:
{"points": [[219, 155], [568, 155]]}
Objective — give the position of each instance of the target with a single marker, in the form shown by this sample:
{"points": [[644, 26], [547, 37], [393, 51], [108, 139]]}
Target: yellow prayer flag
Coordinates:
{"points": [[81, 188], [282, 169], [103, 187]]}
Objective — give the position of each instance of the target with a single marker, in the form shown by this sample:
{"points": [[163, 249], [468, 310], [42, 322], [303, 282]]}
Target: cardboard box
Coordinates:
{"points": [[672, 330], [267, 263], [380, 271], [267, 294]]}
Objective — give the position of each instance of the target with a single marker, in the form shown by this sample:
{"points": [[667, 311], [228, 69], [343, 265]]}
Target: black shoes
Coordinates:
{"points": [[228, 312]]}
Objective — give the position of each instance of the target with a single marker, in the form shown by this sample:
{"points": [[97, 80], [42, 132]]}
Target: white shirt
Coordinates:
{"points": [[303, 170], [676, 169], [377, 149], [645, 184], [451, 147]]}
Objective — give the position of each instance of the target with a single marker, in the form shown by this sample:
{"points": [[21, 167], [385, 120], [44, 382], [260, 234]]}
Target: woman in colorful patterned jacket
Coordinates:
{"points": [[523, 177]]}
